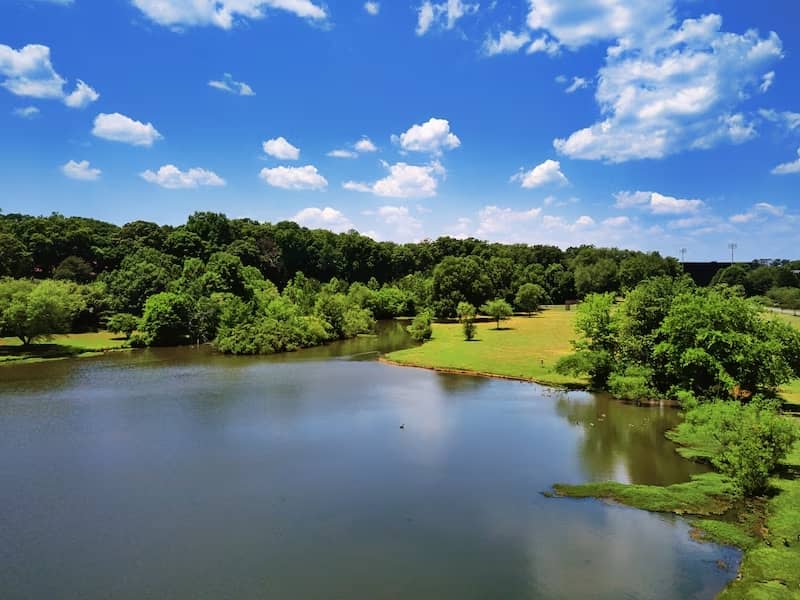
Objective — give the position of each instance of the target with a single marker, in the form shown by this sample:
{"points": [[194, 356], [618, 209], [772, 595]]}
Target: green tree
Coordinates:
{"points": [[421, 328], [124, 323], [74, 268], [529, 297], [745, 442], [15, 260], [459, 279], [165, 321], [498, 309], [32, 310]]}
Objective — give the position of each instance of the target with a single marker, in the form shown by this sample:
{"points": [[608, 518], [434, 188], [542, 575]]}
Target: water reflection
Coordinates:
{"points": [[184, 474]]}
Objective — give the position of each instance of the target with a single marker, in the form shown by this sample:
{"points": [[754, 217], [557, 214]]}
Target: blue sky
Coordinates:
{"points": [[647, 124]]}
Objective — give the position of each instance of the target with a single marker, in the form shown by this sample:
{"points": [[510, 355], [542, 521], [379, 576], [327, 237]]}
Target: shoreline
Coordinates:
{"points": [[486, 375]]}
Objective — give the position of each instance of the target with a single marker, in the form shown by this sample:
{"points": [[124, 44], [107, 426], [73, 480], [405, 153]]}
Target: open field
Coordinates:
{"points": [[59, 346], [525, 348]]}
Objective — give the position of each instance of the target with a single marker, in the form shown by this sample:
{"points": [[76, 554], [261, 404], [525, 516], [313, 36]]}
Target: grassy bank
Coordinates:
{"points": [[767, 529], [59, 346], [791, 392], [525, 348]]}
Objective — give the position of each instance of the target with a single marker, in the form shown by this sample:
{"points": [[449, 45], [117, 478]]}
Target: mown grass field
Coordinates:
{"points": [[525, 348], [59, 346], [791, 392]]}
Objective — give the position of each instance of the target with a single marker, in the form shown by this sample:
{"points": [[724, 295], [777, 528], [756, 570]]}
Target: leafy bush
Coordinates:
{"points": [[747, 441], [632, 384], [421, 327], [124, 323]]}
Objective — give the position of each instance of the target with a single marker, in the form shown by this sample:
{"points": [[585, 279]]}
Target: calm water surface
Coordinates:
{"points": [[181, 474]]}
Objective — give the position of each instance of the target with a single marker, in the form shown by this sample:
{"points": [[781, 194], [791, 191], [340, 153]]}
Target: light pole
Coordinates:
{"points": [[683, 255], [732, 246]]}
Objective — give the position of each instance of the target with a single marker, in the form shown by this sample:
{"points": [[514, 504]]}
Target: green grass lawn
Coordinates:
{"points": [[791, 391], [525, 348], [59, 346]]}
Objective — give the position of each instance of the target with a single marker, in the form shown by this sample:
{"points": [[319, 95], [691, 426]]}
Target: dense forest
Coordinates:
{"points": [[258, 287]]}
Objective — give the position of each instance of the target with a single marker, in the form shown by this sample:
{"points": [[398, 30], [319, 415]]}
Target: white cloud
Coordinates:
{"points": [[323, 218], [767, 81], [494, 220], [222, 13], [119, 128], [82, 96], [29, 72], [789, 167], [545, 173], [403, 181], [295, 178], [657, 204], [80, 170], [172, 178], [621, 221], [577, 84], [342, 153], [760, 211], [433, 137], [508, 42], [365, 145], [790, 120], [405, 226], [228, 84], [26, 112], [581, 22], [373, 8], [280, 148], [677, 92], [443, 14], [544, 44]]}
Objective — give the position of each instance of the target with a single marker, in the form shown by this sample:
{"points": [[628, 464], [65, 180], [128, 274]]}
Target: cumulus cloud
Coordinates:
{"points": [[404, 225], [228, 84], [172, 178], [578, 83], [548, 172], [29, 72], [372, 8], [433, 137], [179, 14], [507, 43], [365, 145], [117, 127], [342, 153], [442, 14], [83, 95], [280, 148], [766, 81], [494, 220], [544, 44], [759, 212], [403, 181], [788, 168], [295, 178], [576, 24], [26, 112], [80, 170], [323, 218], [677, 92], [657, 204]]}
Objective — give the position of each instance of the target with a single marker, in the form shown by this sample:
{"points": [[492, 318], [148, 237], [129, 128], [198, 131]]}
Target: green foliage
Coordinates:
{"points": [[529, 297], [718, 345], [31, 310], [633, 383], [165, 321], [421, 327], [747, 440], [459, 279], [15, 260], [469, 328], [497, 309], [124, 323], [74, 268]]}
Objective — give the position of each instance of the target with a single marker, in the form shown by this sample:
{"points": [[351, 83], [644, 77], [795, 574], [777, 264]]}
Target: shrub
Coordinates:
{"points": [[421, 327]]}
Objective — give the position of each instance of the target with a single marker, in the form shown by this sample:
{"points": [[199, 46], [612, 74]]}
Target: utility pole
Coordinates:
{"points": [[683, 255], [732, 246]]}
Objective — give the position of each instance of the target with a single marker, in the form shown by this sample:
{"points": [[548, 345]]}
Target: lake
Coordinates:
{"points": [[180, 473]]}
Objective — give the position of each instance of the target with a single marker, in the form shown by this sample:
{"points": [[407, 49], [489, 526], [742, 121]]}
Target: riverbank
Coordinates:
{"points": [[767, 530], [73, 345], [524, 349]]}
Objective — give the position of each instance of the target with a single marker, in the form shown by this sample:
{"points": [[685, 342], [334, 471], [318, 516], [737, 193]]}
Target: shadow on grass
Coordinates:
{"points": [[38, 351]]}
